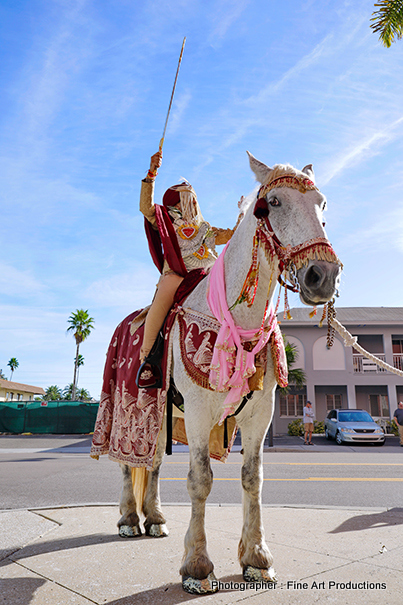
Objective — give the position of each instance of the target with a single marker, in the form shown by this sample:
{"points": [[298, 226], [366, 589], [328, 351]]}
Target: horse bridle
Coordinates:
{"points": [[287, 254]]}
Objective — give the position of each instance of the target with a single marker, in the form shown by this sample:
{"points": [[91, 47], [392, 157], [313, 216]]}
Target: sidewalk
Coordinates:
{"points": [[66, 556], [73, 555]]}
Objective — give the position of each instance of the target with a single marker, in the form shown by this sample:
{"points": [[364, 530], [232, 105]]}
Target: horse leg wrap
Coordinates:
{"points": [[254, 574], [195, 586]]}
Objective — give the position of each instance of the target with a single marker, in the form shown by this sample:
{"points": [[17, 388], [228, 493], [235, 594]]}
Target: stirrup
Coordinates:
{"points": [[149, 375]]}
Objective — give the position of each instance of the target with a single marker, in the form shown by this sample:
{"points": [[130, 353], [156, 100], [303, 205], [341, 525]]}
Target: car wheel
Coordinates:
{"points": [[339, 438], [327, 434]]}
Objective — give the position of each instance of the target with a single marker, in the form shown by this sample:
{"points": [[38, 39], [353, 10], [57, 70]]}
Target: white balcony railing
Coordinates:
{"points": [[362, 365], [398, 361]]}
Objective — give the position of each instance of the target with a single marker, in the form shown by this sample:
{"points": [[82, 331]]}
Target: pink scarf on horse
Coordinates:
{"points": [[231, 365]]}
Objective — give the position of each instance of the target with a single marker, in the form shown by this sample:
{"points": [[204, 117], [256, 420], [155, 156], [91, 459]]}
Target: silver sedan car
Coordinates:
{"points": [[348, 426]]}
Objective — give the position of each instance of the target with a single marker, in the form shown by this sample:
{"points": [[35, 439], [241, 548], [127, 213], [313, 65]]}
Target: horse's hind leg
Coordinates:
{"points": [[197, 568], [154, 523], [254, 556], [129, 523]]}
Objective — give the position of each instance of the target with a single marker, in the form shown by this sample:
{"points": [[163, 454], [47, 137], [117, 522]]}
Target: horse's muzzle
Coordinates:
{"points": [[319, 282]]}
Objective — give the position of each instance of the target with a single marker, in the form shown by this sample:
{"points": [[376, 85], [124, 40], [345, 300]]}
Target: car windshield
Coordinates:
{"points": [[354, 417]]}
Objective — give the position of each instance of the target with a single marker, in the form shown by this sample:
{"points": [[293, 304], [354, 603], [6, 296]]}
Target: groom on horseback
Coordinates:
{"points": [[180, 241]]}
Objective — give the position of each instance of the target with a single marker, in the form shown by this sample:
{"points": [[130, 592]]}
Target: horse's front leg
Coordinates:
{"points": [[254, 556], [197, 567]]}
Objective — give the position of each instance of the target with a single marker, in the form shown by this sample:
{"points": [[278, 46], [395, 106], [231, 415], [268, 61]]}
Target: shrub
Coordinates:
{"points": [[296, 428], [388, 427], [318, 427]]}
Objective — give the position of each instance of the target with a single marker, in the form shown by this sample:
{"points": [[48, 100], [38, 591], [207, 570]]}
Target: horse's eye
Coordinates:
{"points": [[275, 202]]}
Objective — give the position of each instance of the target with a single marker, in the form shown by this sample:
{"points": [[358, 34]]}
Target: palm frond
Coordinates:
{"points": [[388, 21]]}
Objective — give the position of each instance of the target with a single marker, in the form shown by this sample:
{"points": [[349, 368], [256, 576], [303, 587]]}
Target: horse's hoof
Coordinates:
{"points": [[129, 531], [254, 574], [157, 530], [195, 586]]}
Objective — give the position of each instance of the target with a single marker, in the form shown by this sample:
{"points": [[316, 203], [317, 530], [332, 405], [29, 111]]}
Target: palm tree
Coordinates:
{"points": [[13, 363], [68, 391], [81, 325], [2, 375], [388, 21], [53, 393], [80, 362], [296, 376], [83, 395]]}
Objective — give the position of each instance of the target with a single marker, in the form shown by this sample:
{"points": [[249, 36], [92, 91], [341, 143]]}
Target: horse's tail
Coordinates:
{"points": [[139, 482]]}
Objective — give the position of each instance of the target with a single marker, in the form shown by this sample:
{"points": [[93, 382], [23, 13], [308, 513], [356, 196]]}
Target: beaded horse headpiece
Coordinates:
{"points": [[291, 258]]}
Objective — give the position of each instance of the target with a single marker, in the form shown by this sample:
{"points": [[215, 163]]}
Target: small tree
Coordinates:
{"points": [[296, 376], [2, 375], [81, 325], [68, 391], [388, 21], [53, 393], [13, 363], [83, 395]]}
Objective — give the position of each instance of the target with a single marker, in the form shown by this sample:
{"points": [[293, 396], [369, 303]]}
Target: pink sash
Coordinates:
{"points": [[231, 365]]}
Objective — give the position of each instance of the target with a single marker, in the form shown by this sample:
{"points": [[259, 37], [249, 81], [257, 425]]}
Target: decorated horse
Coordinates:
{"points": [[216, 341]]}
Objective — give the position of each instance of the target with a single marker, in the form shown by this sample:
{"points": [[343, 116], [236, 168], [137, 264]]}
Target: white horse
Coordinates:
{"points": [[289, 214]]}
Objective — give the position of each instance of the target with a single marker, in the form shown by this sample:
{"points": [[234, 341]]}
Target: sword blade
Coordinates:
{"points": [[172, 95]]}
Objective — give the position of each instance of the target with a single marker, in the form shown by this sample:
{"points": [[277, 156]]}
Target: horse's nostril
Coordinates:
{"points": [[314, 277]]}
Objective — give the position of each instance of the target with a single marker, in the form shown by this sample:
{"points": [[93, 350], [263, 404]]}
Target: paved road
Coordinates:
{"points": [[56, 470]]}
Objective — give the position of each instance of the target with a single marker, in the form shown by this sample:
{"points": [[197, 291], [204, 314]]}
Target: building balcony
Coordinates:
{"points": [[398, 361], [362, 365]]}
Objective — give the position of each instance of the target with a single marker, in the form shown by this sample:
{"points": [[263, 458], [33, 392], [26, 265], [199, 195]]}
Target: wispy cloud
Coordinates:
{"points": [[301, 65], [134, 288], [180, 105], [363, 148], [225, 14], [14, 282]]}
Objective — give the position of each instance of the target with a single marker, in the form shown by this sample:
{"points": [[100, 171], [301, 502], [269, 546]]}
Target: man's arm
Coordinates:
{"points": [[147, 206]]}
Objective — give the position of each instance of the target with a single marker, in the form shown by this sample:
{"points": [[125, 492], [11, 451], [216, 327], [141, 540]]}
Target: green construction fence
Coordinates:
{"points": [[55, 417]]}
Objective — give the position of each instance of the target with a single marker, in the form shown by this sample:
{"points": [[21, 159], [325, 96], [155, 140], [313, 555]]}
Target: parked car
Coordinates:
{"points": [[349, 426]]}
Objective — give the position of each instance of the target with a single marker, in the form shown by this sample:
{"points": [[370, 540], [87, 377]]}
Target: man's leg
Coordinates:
{"points": [[163, 301]]}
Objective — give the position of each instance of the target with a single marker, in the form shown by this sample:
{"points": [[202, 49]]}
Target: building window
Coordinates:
{"points": [[379, 405], [333, 402], [292, 405]]}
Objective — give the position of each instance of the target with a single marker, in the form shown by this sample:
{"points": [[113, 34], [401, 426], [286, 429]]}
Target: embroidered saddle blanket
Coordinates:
{"points": [[198, 333], [129, 419]]}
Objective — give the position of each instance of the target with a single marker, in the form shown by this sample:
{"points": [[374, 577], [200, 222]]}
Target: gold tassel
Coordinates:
{"points": [[323, 315]]}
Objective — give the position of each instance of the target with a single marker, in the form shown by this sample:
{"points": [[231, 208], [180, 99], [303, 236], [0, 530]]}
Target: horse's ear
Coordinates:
{"points": [[261, 170], [308, 170]]}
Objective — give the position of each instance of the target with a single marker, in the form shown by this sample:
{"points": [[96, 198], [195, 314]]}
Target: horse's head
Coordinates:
{"points": [[291, 207]]}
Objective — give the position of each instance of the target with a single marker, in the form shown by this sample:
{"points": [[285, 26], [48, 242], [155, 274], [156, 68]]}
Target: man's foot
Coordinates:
{"points": [[310, 443], [305, 442], [149, 376]]}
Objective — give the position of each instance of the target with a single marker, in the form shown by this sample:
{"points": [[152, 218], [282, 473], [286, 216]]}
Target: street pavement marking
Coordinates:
{"points": [[301, 463], [306, 479]]}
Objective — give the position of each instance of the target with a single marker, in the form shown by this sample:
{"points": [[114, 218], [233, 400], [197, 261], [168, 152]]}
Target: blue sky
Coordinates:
{"points": [[85, 86]]}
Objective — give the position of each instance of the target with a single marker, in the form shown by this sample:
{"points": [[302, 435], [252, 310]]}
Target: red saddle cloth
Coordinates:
{"points": [[129, 419]]}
